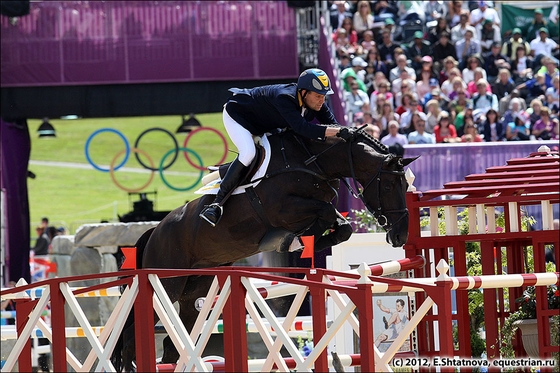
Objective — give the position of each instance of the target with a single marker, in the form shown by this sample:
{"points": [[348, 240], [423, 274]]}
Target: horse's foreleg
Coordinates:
{"points": [[341, 231], [329, 219]]}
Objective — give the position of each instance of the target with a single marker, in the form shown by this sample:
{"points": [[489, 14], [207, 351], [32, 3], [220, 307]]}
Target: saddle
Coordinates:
{"points": [[253, 167], [219, 171]]}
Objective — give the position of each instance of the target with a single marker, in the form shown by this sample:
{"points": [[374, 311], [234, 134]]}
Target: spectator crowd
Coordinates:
{"points": [[428, 72]]}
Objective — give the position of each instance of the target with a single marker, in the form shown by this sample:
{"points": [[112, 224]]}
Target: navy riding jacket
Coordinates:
{"points": [[266, 108]]}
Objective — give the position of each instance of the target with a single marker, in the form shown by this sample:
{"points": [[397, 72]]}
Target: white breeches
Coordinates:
{"points": [[241, 138]]}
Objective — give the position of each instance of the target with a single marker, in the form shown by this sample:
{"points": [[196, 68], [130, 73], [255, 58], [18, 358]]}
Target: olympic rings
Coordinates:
{"points": [[222, 137], [172, 138], [134, 150], [112, 168], [190, 186], [107, 130]]}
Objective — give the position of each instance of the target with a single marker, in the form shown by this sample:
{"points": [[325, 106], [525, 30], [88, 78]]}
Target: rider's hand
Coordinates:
{"points": [[346, 134]]}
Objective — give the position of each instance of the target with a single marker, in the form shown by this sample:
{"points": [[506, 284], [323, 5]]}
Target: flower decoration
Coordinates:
{"points": [[528, 302]]}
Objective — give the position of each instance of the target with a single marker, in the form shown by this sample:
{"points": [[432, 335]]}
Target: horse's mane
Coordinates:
{"points": [[366, 137], [371, 141]]}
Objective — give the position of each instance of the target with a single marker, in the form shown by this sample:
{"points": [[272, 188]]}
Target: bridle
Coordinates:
{"points": [[377, 212], [379, 215]]}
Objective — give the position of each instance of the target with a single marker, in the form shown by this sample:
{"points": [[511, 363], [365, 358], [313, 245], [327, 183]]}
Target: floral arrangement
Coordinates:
{"points": [[528, 302], [528, 310]]}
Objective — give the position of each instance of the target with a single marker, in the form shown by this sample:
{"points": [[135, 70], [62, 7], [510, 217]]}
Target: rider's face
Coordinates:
{"points": [[314, 100]]}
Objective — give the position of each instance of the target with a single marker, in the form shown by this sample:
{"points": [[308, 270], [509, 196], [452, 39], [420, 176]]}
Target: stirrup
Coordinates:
{"points": [[217, 207]]}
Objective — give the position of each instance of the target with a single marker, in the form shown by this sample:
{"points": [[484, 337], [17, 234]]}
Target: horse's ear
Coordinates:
{"points": [[407, 161], [390, 158]]}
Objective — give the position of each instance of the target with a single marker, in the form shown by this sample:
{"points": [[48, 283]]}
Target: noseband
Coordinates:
{"points": [[379, 215]]}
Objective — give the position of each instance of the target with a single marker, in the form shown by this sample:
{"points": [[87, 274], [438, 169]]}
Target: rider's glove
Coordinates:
{"points": [[346, 134]]}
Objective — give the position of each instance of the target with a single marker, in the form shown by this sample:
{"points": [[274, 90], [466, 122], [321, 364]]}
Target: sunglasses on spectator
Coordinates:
{"points": [[469, 127]]}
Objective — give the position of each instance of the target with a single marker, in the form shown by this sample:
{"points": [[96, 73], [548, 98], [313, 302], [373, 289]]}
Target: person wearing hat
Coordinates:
{"points": [[489, 34], [531, 30], [509, 47], [354, 72], [417, 49], [549, 69], [543, 44], [388, 26], [255, 111], [420, 136], [458, 31]]}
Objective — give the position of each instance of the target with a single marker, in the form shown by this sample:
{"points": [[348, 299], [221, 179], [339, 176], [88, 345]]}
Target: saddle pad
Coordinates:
{"points": [[213, 186]]}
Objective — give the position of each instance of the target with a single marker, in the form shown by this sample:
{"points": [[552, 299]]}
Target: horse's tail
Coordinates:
{"points": [[117, 356]]}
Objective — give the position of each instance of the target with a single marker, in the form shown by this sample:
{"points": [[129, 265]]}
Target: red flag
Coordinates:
{"points": [[344, 214], [129, 257], [309, 249]]}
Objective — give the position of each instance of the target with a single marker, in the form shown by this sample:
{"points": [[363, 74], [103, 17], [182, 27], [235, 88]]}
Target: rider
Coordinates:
{"points": [[252, 112]]}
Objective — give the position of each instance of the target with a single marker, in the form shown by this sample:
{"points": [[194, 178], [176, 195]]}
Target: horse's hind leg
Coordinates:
{"points": [[196, 287]]}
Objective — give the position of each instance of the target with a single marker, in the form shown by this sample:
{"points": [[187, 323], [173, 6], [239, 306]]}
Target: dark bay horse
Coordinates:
{"points": [[295, 196]]}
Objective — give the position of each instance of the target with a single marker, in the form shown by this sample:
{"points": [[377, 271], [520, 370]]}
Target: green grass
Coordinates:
{"points": [[71, 196]]}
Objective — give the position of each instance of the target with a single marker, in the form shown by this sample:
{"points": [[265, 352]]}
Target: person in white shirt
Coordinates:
{"points": [[394, 137], [543, 44], [363, 18], [355, 100], [401, 65], [458, 32], [484, 12], [482, 100], [420, 136], [467, 46]]}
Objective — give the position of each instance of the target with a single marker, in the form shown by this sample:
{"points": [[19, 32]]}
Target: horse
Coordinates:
{"points": [[293, 199]]}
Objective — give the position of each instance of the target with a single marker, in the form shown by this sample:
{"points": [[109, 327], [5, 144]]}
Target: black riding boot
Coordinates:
{"points": [[213, 212]]}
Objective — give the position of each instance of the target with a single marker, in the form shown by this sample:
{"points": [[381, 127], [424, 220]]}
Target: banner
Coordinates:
{"points": [[513, 16]]}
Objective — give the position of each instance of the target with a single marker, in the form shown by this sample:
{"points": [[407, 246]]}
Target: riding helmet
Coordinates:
{"points": [[315, 80]]}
